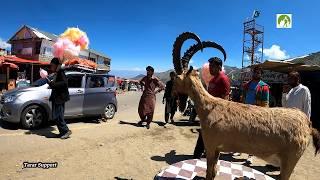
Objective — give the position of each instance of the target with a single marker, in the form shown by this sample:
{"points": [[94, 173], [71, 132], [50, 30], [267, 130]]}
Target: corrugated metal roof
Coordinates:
{"points": [[299, 57], [310, 62], [51, 36], [285, 67], [54, 37], [40, 35], [309, 59]]}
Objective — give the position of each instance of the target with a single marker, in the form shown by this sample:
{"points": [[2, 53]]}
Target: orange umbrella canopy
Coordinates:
{"points": [[84, 62], [10, 65]]}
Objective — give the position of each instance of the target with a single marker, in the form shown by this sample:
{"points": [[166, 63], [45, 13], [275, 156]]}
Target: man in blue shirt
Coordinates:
{"points": [[256, 92]]}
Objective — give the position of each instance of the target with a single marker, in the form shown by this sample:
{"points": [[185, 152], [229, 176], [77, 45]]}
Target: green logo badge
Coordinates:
{"points": [[284, 20]]}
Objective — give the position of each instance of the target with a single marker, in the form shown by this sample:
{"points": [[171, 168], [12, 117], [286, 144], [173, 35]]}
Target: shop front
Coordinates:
{"points": [[276, 76], [16, 71]]}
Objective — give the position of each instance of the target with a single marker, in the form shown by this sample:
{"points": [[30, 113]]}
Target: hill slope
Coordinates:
{"points": [[311, 59]]}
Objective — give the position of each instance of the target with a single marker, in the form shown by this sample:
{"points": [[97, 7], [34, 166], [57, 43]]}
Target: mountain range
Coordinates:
{"points": [[126, 73], [232, 72]]}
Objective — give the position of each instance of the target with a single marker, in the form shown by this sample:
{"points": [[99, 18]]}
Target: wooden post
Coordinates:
{"points": [[31, 73]]}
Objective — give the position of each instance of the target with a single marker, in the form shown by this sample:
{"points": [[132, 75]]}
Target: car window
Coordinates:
{"points": [[41, 81], [95, 82], [74, 81], [23, 84]]}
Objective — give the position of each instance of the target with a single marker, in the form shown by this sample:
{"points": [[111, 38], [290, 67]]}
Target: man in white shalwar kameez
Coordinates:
{"points": [[299, 95]]}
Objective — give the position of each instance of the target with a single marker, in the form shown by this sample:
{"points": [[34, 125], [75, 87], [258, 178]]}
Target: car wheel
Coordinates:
{"points": [[109, 111], [32, 117]]}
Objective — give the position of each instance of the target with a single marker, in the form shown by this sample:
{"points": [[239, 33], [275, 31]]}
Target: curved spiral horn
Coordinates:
{"points": [[205, 44], [176, 52]]}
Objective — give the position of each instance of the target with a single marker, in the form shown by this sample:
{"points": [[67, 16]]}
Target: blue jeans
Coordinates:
{"points": [[58, 117]]}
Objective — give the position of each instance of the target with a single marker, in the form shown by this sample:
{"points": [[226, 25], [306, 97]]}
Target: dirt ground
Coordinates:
{"points": [[114, 149]]}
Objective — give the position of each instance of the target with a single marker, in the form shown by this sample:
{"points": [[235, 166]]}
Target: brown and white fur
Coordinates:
{"points": [[234, 127]]}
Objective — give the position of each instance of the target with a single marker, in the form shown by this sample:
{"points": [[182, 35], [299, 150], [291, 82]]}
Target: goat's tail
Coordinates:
{"points": [[316, 139]]}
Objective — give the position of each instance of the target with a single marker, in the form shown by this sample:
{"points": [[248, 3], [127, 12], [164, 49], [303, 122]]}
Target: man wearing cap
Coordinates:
{"points": [[59, 95], [148, 98], [219, 86]]}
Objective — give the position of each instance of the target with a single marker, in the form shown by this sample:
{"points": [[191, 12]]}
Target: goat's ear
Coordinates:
{"points": [[197, 72], [190, 70]]}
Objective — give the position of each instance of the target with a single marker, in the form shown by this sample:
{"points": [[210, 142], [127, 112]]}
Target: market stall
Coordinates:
{"points": [[310, 77], [13, 68]]}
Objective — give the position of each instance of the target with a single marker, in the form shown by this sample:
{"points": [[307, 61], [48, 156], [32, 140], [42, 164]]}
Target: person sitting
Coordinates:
{"points": [[96, 83]]}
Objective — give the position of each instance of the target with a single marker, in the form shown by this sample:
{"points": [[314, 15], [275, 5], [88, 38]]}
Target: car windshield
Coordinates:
{"points": [[21, 84], [41, 81]]}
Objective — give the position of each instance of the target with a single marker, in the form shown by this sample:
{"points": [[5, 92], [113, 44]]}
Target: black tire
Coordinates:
{"points": [[109, 111], [32, 117]]}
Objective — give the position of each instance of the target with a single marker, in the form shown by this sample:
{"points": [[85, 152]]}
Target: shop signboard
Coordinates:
{"points": [[267, 76]]}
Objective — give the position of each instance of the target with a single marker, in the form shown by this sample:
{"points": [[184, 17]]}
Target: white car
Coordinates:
{"points": [[133, 88]]}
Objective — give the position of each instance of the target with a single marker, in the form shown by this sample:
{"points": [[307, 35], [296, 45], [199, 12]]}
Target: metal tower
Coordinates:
{"points": [[252, 43]]}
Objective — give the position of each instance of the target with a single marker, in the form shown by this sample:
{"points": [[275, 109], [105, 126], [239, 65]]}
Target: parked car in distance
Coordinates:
{"points": [[22, 83], [133, 88], [90, 95]]}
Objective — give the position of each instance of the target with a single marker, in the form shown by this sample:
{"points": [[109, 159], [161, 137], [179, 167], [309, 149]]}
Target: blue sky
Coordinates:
{"points": [[137, 33]]}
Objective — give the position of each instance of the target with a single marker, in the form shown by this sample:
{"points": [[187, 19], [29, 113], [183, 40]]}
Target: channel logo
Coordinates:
{"points": [[284, 21]]}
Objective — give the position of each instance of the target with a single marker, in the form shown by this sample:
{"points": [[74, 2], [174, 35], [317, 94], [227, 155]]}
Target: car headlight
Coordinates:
{"points": [[10, 98]]}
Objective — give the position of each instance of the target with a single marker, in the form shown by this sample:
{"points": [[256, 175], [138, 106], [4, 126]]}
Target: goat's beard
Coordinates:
{"points": [[182, 102]]}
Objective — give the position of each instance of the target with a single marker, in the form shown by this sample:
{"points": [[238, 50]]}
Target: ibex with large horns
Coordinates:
{"points": [[234, 127]]}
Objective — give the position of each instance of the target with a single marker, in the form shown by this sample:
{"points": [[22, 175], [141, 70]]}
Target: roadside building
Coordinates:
{"points": [[276, 76], [13, 68], [102, 60], [32, 49], [37, 45]]}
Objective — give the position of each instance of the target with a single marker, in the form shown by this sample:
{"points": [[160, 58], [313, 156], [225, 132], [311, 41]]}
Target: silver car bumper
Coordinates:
{"points": [[10, 112]]}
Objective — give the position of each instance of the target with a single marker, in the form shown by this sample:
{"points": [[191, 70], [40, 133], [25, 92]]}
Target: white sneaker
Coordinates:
{"points": [[250, 159]]}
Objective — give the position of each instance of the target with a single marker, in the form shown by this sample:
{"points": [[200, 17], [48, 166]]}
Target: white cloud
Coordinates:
{"points": [[246, 56], [4, 44], [137, 69], [275, 53], [191, 61]]}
